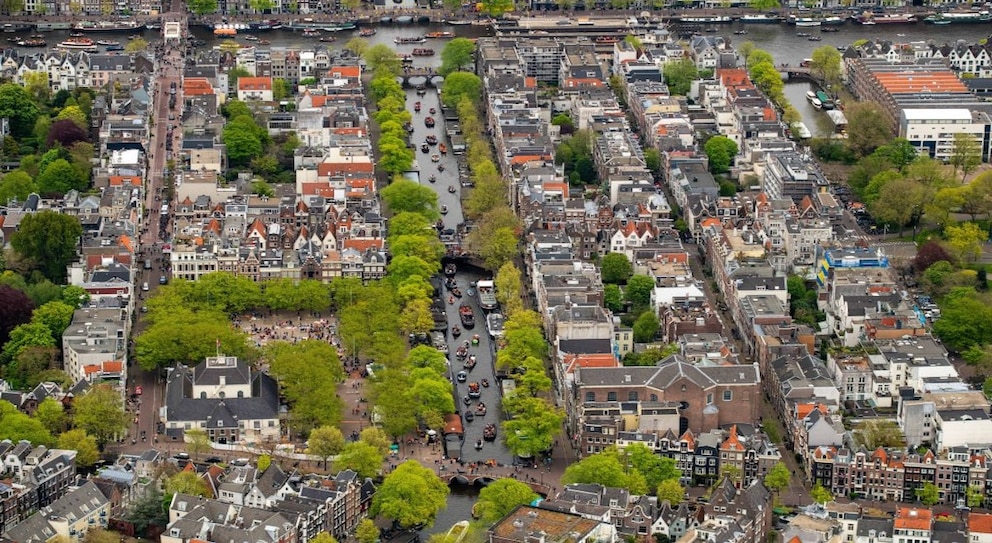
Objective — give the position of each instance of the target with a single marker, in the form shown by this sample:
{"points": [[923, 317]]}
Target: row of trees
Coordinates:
{"points": [[761, 68], [497, 234], [635, 468], [391, 115]]}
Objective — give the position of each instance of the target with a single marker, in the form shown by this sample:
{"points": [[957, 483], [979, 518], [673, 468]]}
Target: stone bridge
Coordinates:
{"points": [[797, 72], [481, 480], [412, 77]]}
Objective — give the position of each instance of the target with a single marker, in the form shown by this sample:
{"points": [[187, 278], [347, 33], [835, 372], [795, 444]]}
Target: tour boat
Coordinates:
{"points": [[107, 42], [82, 44], [366, 32], [423, 52], [438, 35], [401, 41]]}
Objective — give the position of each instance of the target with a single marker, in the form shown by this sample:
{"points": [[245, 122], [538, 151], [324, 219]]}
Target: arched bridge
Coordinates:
{"points": [[797, 72], [412, 77], [485, 479]]}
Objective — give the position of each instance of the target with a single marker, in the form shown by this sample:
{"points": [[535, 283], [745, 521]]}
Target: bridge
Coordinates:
{"points": [[797, 72], [485, 479], [412, 77]]}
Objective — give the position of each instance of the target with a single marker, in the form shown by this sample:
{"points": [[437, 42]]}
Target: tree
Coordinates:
{"points": [[17, 105], [55, 315], [564, 123], [362, 458], [499, 498], [966, 240], [51, 414], [495, 237], [826, 64], [423, 356], [650, 357], [607, 469], [533, 425], [242, 140], [325, 442], [655, 469], [281, 89], [679, 76], [612, 298], [60, 177], [148, 510], [374, 436], [15, 310], [616, 268], [777, 478], [380, 58], [187, 482], [16, 185], [672, 491], [48, 239], [324, 537], [100, 412], [508, 289], [202, 7], [411, 495], [646, 327], [928, 254], [820, 495], [966, 154], [25, 336], [639, 290], [765, 76], [264, 461], [197, 441], [367, 531], [534, 380], [456, 54], [964, 320], [496, 8], [357, 46], [720, 151], [928, 494], [136, 45], [406, 195], [868, 127], [65, 133], [460, 85], [178, 334], [17, 426], [898, 202], [84, 444], [975, 496], [763, 5], [306, 371]]}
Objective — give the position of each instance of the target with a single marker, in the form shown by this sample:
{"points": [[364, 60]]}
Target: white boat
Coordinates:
{"points": [[801, 131], [810, 95], [806, 21], [494, 324], [816, 103], [487, 295]]}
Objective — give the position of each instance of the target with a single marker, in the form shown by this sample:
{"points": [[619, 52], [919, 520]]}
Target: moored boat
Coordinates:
{"points": [[439, 35], [760, 19], [402, 41], [970, 17], [423, 52], [107, 42], [366, 32], [467, 316], [78, 44], [108, 26]]}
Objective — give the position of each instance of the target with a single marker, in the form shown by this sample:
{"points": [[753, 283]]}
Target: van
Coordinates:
{"points": [[148, 263], [240, 462], [144, 286]]}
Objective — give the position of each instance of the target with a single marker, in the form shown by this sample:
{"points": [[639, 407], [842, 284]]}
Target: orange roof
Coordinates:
{"points": [[911, 518], [914, 82], [524, 159], [597, 360], [337, 168], [197, 86], [734, 77], [732, 443], [345, 71], [710, 221], [803, 410], [126, 243], [320, 188], [118, 180], [254, 83], [530, 82], [980, 523], [362, 244], [557, 187], [349, 131]]}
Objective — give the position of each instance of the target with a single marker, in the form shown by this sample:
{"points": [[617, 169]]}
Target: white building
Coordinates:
{"points": [[94, 346], [932, 131]]}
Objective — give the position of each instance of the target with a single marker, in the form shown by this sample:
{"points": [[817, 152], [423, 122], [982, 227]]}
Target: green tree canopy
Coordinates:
{"points": [[408, 196], [48, 239], [499, 498], [460, 85], [306, 371], [187, 482], [411, 495], [616, 268], [100, 413], [639, 290], [17, 105], [533, 425], [17, 426], [325, 442], [16, 185], [679, 76], [456, 54], [380, 58], [720, 150], [77, 440]]}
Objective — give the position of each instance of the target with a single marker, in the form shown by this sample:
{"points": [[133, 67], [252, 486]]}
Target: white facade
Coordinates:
{"points": [[932, 131]]}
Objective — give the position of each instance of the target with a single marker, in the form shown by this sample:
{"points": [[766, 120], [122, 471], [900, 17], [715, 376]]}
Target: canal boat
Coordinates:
{"points": [[443, 149], [105, 42], [473, 390], [108, 26], [489, 433], [424, 148], [416, 107], [403, 41], [32, 42], [78, 44], [829, 29], [366, 32], [435, 158], [869, 18], [487, 295], [338, 27], [444, 211], [494, 324], [311, 33], [440, 35], [429, 122], [422, 91], [467, 316], [328, 39], [431, 140], [807, 21], [970, 17], [458, 22], [450, 269], [423, 52], [816, 103], [607, 40], [760, 19], [825, 101], [833, 20], [814, 38]]}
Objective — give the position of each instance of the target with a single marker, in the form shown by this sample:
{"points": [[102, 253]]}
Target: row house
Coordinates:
{"points": [[36, 477]]}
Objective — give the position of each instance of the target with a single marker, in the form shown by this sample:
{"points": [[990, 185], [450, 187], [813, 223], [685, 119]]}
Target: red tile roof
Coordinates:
{"points": [[911, 518]]}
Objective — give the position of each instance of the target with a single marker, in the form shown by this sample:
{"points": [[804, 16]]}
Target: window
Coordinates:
{"points": [[611, 396], [728, 395], [654, 397], [590, 396], [632, 396], [241, 394], [203, 395], [709, 398]]}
